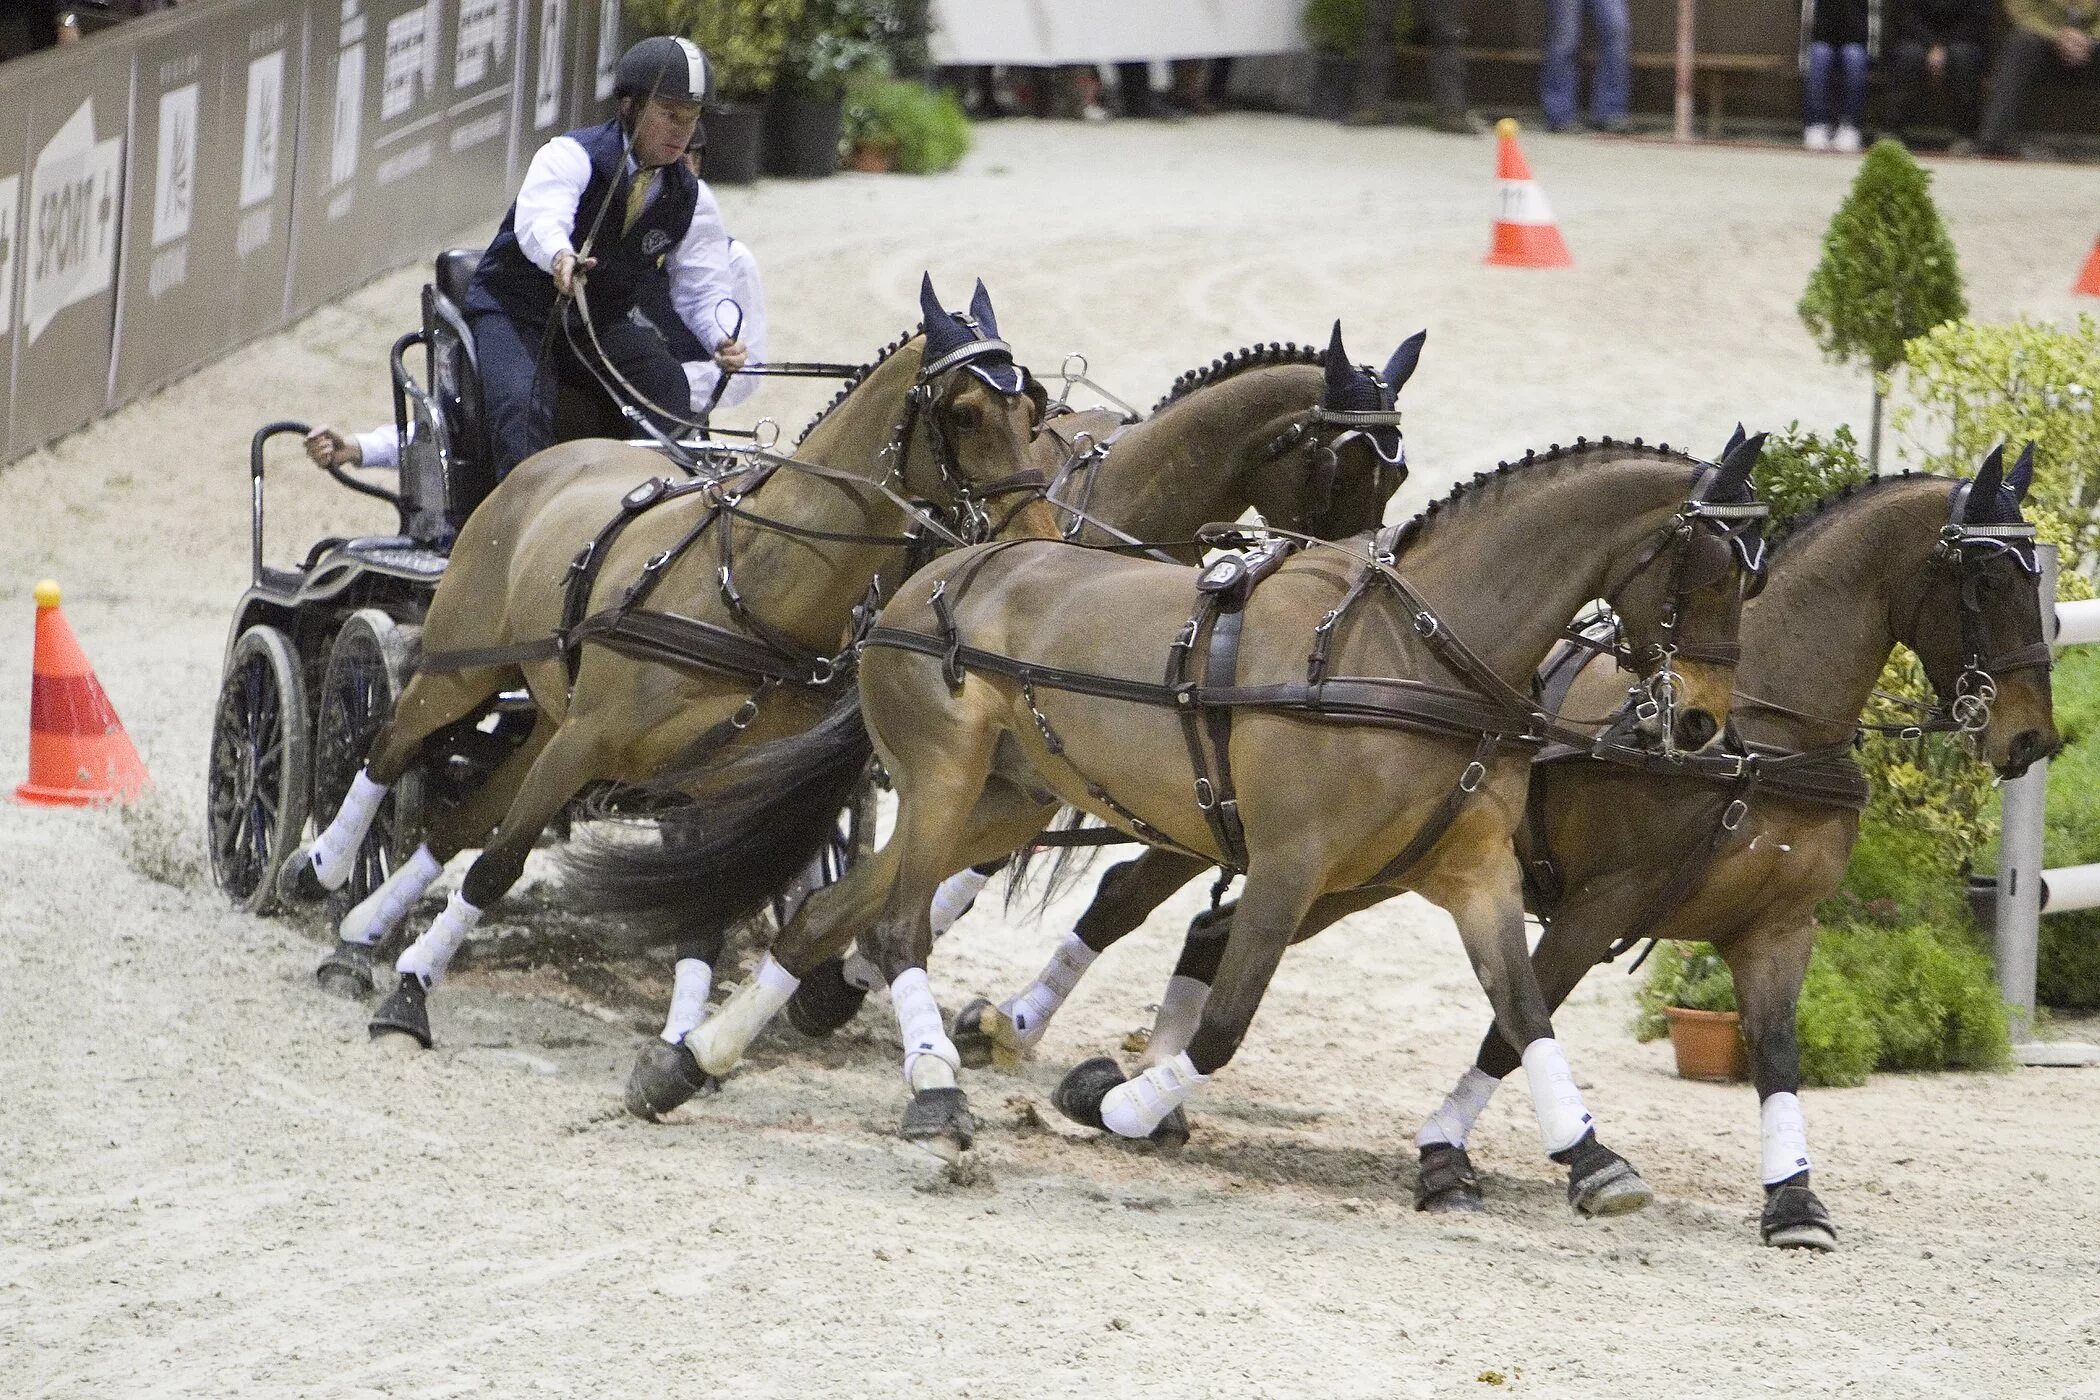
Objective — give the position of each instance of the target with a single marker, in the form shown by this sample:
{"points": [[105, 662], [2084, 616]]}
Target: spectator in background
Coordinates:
{"points": [[1447, 65], [1938, 42], [1610, 86], [2059, 35], [1839, 32]]}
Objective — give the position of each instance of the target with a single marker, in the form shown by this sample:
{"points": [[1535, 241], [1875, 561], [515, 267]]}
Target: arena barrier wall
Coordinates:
{"points": [[176, 186]]}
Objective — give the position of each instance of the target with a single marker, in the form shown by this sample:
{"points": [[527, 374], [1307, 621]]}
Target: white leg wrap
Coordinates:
{"points": [[1180, 1012], [862, 972], [1785, 1138], [1133, 1109], [954, 898], [1460, 1111], [1031, 1011], [1562, 1118], [723, 1037], [335, 850], [925, 1038], [375, 917], [688, 999], [429, 956]]}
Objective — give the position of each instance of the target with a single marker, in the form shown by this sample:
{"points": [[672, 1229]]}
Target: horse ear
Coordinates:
{"points": [[2021, 476], [1734, 442], [1340, 373], [930, 305], [981, 310], [1983, 493], [1733, 478], [1401, 367]]}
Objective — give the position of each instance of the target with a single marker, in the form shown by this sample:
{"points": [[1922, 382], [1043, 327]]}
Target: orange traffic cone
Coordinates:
{"points": [[2088, 283], [78, 750], [1525, 234]]}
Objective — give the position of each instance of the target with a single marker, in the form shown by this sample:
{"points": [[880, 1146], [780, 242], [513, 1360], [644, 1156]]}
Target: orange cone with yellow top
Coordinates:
{"points": [[78, 750], [1525, 234], [2088, 283]]}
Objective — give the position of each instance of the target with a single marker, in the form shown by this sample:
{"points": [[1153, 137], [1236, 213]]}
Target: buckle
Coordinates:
{"points": [[1426, 624], [1469, 781], [1206, 796], [1732, 815]]}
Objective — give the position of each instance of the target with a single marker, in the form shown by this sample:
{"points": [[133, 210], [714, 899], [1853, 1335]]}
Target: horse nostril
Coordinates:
{"points": [[1695, 728]]}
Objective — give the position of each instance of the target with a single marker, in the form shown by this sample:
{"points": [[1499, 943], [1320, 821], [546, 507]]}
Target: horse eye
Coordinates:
{"points": [[966, 418]]}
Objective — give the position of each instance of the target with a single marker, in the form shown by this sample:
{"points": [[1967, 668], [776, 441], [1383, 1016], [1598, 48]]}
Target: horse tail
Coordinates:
{"points": [[767, 814]]}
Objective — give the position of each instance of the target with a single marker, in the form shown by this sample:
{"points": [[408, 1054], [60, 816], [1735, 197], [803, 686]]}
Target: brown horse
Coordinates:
{"points": [[1885, 563], [754, 578], [1003, 682], [1303, 436]]}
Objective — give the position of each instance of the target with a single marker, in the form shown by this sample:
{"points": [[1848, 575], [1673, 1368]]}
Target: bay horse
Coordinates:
{"points": [[1007, 680], [741, 641]]}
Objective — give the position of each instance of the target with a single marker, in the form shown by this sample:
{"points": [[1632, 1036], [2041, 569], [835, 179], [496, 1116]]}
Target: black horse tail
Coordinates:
{"points": [[766, 815]]}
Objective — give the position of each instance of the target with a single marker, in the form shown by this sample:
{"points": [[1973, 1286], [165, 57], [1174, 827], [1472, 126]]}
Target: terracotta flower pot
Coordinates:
{"points": [[1709, 1044], [869, 159]]}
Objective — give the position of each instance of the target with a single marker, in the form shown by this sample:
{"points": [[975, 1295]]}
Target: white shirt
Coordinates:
{"points": [[547, 216]]}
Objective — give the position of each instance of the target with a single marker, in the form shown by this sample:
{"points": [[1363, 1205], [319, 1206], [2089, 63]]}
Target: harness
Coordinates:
{"points": [[1744, 771], [1484, 708]]}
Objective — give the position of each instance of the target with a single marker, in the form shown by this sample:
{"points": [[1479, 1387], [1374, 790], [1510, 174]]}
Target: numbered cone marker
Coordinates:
{"points": [[1525, 234]]}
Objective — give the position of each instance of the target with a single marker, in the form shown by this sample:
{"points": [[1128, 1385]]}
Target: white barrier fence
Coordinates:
{"points": [[2025, 890]]}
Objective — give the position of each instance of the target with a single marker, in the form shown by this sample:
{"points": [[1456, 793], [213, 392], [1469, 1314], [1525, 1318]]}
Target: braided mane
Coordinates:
{"points": [[857, 378], [1465, 492], [1249, 357], [1802, 521]]}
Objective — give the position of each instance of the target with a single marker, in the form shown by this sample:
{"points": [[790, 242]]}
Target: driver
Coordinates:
{"points": [[603, 208]]}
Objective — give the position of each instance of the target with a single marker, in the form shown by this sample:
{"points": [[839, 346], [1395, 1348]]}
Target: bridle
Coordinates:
{"points": [[970, 498], [1967, 548]]}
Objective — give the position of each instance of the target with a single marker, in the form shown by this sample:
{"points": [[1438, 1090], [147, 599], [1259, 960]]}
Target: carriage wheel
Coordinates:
{"points": [[368, 667], [257, 780]]}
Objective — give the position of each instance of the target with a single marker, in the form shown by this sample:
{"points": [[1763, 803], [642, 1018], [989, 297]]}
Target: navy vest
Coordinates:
{"points": [[507, 281]]}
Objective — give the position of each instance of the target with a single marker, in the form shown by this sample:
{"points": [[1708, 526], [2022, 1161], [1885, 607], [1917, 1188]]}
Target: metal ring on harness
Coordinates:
{"points": [[746, 714], [1732, 815], [1475, 774]]}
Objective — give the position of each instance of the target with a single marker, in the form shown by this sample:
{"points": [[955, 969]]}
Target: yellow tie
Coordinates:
{"points": [[638, 196]]}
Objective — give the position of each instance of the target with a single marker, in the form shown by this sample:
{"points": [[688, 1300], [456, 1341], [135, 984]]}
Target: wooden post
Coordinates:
{"points": [[1684, 69]]}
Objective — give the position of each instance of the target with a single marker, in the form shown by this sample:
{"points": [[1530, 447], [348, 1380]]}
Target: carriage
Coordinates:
{"points": [[317, 654]]}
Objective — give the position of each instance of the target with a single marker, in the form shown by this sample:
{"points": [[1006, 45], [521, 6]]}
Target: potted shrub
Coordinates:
{"points": [[1689, 991], [830, 43], [1334, 30], [904, 126], [744, 41]]}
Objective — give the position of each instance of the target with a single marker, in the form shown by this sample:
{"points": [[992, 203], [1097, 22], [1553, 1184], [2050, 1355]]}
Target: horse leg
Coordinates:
{"points": [[1484, 897], [571, 758], [430, 702], [1275, 904], [348, 969], [1769, 961], [1124, 899]]}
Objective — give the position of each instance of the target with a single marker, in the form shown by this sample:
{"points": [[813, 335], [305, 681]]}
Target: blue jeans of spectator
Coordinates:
{"points": [[1558, 80], [1825, 63]]}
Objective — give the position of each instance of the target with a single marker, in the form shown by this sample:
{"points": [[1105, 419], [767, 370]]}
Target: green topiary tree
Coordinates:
{"points": [[744, 39], [1888, 274]]}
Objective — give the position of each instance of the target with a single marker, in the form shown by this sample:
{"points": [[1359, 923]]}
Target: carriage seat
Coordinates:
{"points": [[455, 270]]}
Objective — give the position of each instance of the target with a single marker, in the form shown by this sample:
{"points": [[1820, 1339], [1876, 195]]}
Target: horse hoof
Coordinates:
{"points": [[296, 881], [1080, 1092], [825, 1000], [983, 1035], [404, 1014], [1600, 1181], [1794, 1217], [347, 971], [939, 1121], [1446, 1183], [663, 1077], [1172, 1134]]}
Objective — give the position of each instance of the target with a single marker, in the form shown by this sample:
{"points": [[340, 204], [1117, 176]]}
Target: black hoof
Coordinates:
{"points": [[972, 1041], [825, 1000], [347, 971], [663, 1077], [1173, 1131], [1600, 1181], [404, 1013], [1079, 1093], [1795, 1219], [939, 1120], [1446, 1183], [296, 881]]}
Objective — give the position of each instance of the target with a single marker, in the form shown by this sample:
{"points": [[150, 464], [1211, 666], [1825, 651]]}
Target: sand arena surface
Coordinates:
{"points": [[210, 1185]]}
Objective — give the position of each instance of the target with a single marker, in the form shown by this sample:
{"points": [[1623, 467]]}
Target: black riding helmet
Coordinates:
{"points": [[664, 67]]}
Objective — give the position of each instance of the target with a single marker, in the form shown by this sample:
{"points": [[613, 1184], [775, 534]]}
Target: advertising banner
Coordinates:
{"points": [[14, 137]]}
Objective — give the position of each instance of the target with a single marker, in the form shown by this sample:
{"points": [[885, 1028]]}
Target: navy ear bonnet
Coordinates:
{"points": [[1355, 389], [968, 341]]}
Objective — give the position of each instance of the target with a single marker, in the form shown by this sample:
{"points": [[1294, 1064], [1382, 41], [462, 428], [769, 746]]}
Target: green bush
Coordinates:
{"points": [[743, 39], [923, 131], [1690, 975], [1797, 469], [834, 41], [1335, 28], [2068, 967], [1839, 1043]]}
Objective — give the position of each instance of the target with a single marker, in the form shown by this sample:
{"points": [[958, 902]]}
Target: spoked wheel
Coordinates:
{"points": [[257, 781], [368, 667]]}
